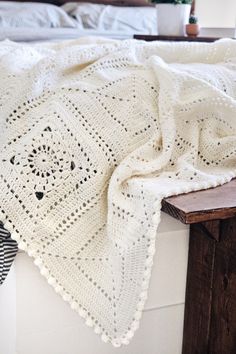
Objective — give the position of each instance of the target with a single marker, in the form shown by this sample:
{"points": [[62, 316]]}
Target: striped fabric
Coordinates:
{"points": [[8, 250]]}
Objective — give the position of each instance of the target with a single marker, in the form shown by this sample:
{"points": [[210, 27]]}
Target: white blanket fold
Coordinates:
{"points": [[93, 136]]}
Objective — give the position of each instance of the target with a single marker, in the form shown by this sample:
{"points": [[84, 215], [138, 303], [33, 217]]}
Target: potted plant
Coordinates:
{"points": [[192, 28], [172, 16]]}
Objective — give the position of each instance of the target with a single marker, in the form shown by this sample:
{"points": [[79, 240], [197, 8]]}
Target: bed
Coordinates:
{"points": [[35, 320], [39, 21]]}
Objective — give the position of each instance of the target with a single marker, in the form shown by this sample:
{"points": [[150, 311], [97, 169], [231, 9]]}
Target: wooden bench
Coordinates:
{"points": [[210, 305], [149, 38]]}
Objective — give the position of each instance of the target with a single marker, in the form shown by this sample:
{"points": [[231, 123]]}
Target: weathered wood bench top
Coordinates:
{"points": [[149, 38], [211, 204]]}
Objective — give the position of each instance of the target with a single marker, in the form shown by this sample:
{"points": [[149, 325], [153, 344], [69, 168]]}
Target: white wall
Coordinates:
{"points": [[216, 13], [8, 314]]}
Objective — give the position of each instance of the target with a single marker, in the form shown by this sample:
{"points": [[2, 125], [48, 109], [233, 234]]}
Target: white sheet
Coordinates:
{"points": [[34, 15], [47, 34], [27, 22], [126, 19]]}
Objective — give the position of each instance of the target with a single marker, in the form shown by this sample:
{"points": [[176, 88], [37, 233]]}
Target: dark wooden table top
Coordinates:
{"points": [[210, 204], [175, 38]]}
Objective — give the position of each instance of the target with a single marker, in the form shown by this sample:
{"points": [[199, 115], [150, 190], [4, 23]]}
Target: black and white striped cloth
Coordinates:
{"points": [[8, 251]]}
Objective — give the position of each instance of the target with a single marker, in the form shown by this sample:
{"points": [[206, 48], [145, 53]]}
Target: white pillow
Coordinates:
{"points": [[114, 18], [33, 15]]}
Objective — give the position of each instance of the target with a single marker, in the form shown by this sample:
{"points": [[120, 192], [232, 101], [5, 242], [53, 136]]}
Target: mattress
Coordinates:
{"points": [[47, 34], [35, 320]]}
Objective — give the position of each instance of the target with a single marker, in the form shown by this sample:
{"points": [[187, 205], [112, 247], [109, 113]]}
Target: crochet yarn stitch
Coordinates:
{"points": [[94, 134]]}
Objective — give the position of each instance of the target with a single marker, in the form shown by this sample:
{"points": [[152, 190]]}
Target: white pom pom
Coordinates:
{"points": [[140, 305], [15, 236], [31, 253], [143, 295], [74, 305], [155, 219], [38, 261], [66, 297], [97, 330], [138, 315], [145, 284], [7, 225], [135, 325], [149, 261], [151, 250], [3, 219], [116, 344], [51, 281], [82, 313], [44, 272], [130, 334], [125, 341], [147, 274], [89, 322], [58, 289], [22, 246], [105, 338]]}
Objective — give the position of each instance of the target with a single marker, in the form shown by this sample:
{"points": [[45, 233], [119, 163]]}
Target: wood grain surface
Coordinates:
{"points": [[149, 38], [211, 204]]}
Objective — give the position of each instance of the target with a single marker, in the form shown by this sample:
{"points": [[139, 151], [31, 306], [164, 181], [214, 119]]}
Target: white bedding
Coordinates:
{"points": [[48, 34], [114, 18], [42, 22], [34, 15]]}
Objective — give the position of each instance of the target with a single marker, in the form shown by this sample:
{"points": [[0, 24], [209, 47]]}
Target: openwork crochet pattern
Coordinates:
{"points": [[93, 136]]}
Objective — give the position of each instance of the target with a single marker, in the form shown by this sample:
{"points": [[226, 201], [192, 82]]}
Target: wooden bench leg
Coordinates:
{"points": [[210, 307]]}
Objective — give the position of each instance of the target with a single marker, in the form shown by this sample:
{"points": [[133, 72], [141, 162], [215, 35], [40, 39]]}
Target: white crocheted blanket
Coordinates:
{"points": [[92, 137]]}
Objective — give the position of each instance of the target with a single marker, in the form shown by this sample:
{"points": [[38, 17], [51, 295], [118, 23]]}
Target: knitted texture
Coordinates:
{"points": [[93, 136]]}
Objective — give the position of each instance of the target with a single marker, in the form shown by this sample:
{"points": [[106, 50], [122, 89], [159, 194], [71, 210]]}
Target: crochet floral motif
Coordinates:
{"points": [[92, 137], [42, 162]]}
